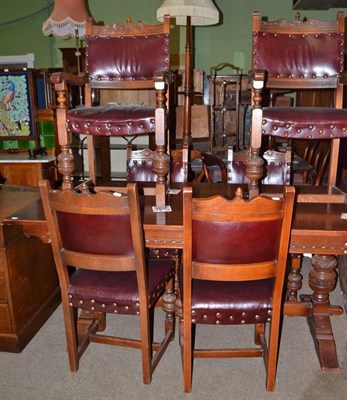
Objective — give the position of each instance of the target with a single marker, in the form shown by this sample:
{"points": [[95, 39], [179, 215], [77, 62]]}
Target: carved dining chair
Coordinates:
{"points": [[100, 236], [277, 170], [125, 61], [140, 167], [234, 262], [299, 55]]}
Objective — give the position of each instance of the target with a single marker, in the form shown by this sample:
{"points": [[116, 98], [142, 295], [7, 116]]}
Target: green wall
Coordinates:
{"points": [[228, 41]]}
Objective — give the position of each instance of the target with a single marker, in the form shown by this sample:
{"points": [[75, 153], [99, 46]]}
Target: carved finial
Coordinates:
{"points": [[297, 16], [238, 193], [84, 187], [128, 21]]}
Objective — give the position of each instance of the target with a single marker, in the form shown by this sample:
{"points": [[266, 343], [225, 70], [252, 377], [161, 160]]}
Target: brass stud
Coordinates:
{"points": [[243, 321], [70, 304], [231, 318], [92, 301], [204, 317], [257, 317], [103, 305], [193, 321], [269, 312], [217, 322], [218, 314]]}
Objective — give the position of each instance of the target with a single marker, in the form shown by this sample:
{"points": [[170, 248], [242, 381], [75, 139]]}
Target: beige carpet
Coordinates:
{"points": [[41, 371]]}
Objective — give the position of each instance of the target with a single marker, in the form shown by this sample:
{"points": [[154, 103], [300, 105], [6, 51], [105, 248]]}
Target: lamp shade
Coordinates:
{"points": [[202, 12], [67, 16]]}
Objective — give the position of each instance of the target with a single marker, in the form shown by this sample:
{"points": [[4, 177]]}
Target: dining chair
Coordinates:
{"points": [[201, 168], [298, 55], [277, 171], [317, 155], [98, 248], [125, 90], [234, 261]]}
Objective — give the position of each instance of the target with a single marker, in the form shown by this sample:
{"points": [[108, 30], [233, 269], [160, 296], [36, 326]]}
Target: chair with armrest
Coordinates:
{"points": [[277, 169], [228, 280], [100, 236], [293, 55], [125, 61]]}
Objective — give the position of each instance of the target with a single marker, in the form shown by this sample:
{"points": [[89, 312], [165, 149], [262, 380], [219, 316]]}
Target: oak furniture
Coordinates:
{"points": [[317, 228], [100, 236], [227, 280], [29, 289], [18, 169], [278, 64], [118, 57]]}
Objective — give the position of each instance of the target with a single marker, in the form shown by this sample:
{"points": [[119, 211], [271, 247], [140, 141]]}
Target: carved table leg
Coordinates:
{"points": [[294, 283], [322, 280]]}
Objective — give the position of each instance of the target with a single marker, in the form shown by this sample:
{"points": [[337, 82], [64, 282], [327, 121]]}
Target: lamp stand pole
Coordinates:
{"points": [[188, 91]]}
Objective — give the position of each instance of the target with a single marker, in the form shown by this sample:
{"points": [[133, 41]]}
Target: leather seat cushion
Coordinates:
{"points": [[111, 120], [305, 122], [117, 292], [231, 302]]}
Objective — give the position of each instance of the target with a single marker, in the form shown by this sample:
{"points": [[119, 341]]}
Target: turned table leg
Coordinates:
{"points": [[322, 281]]}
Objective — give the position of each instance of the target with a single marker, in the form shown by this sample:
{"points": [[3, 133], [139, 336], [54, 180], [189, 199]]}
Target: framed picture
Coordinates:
{"points": [[17, 105]]}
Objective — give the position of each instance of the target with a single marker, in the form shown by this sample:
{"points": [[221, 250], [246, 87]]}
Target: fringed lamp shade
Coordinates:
{"points": [[67, 17], [201, 12]]}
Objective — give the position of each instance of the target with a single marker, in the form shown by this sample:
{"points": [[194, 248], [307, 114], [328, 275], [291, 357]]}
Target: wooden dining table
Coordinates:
{"points": [[319, 229]]}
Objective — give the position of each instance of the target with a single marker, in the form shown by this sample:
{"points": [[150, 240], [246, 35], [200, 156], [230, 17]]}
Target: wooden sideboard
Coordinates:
{"points": [[18, 169], [29, 290]]}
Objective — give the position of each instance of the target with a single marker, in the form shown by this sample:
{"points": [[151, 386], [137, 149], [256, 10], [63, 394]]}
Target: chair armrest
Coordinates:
{"points": [[258, 78], [66, 78], [166, 76]]}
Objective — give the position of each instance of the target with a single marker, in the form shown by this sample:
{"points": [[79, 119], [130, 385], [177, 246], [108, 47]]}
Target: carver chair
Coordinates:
{"points": [[299, 55], [100, 236], [234, 262], [127, 68]]}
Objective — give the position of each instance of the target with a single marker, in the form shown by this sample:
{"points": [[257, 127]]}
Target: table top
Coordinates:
{"points": [[316, 227]]}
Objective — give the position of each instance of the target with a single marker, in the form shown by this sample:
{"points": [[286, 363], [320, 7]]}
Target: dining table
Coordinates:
{"points": [[319, 229]]}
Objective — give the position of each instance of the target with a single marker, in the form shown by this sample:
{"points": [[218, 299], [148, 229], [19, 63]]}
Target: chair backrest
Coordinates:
{"points": [[278, 169], [235, 240], [140, 167], [94, 231], [126, 56], [299, 54]]}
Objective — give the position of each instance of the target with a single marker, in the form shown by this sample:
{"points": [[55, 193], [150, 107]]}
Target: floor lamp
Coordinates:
{"points": [[189, 13], [68, 20]]}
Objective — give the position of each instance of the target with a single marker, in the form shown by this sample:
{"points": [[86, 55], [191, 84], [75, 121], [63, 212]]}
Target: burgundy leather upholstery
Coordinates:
{"points": [[316, 58], [99, 234], [247, 302], [140, 171], [117, 292], [111, 120], [308, 56], [231, 302], [120, 58], [232, 240], [126, 58], [305, 122]]}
